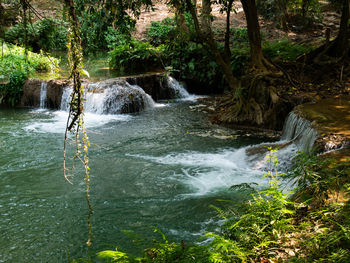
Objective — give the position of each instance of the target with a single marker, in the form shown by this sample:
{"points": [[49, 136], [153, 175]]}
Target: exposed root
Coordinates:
{"points": [[254, 105]]}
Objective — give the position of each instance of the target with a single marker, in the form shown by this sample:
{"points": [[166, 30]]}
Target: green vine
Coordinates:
{"points": [[75, 121]]}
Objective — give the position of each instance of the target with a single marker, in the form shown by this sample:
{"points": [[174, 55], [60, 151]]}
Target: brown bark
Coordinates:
{"points": [[257, 59], [227, 33], [209, 39], [206, 17], [342, 40], [181, 21]]}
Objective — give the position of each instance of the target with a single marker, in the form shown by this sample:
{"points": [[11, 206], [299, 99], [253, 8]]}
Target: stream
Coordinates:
{"points": [[161, 168]]}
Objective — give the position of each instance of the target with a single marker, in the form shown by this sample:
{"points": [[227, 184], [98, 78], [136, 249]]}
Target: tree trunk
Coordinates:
{"points": [[2, 20], [209, 39], [342, 40], [181, 21], [227, 33], [257, 59], [25, 22], [282, 6], [206, 17]]}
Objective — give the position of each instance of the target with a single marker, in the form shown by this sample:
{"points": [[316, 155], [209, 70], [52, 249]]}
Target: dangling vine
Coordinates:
{"points": [[75, 121]]}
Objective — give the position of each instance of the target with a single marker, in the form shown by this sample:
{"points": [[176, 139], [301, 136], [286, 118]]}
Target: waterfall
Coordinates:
{"points": [[43, 93], [111, 97], [300, 131], [180, 91]]}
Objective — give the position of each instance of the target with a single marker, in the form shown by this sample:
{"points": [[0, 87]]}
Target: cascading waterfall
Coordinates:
{"points": [[43, 93], [299, 131], [111, 97], [179, 89]]}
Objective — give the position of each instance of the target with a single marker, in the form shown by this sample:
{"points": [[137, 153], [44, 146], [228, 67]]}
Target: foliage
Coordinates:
{"points": [[304, 12], [135, 57], [162, 32], [161, 252], [239, 35], [47, 34], [284, 50], [114, 38], [327, 235], [256, 234], [97, 16], [311, 175], [194, 62], [15, 67]]}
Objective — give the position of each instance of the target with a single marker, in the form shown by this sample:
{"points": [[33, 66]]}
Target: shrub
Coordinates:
{"points": [[115, 38], [162, 32], [239, 35], [135, 57], [47, 34], [15, 67]]}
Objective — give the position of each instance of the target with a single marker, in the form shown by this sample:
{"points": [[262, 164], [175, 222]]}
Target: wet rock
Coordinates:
{"points": [[31, 93], [154, 84]]}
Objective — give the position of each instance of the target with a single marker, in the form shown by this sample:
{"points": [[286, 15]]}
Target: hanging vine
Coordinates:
{"points": [[75, 121]]}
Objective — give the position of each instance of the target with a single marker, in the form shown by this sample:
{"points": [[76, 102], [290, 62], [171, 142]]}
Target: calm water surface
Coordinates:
{"points": [[160, 168]]}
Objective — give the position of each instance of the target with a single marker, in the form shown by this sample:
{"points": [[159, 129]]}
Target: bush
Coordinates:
{"points": [[194, 62], [162, 32], [239, 35], [15, 68], [135, 57], [115, 38], [48, 34]]}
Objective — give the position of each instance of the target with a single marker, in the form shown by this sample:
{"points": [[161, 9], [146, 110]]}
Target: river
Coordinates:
{"points": [[161, 168]]}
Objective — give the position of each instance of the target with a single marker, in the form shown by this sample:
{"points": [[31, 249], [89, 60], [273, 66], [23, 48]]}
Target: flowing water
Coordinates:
{"points": [[160, 168]]}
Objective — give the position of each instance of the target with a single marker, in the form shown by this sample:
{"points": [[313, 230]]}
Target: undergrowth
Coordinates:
{"points": [[16, 67]]}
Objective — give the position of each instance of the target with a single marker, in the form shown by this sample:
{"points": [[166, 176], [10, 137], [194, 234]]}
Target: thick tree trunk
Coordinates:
{"points": [[181, 21], [227, 33], [206, 17], [342, 40], [257, 59]]}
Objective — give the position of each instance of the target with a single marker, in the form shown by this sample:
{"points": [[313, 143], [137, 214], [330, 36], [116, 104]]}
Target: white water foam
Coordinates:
{"points": [[58, 119], [180, 91], [209, 172]]}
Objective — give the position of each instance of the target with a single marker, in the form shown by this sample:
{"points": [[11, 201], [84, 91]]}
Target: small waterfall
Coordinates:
{"points": [[65, 100], [180, 91], [111, 97], [300, 131], [43, 93]]}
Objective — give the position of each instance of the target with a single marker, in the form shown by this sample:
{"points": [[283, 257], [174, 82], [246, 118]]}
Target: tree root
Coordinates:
{"points": [[255, 105]]}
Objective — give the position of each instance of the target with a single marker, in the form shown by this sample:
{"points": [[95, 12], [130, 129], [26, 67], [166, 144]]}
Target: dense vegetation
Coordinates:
{"points": [[16, 66]]}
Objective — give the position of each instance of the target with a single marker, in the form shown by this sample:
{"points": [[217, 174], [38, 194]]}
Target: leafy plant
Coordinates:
{"points": [[162, 32], [47, 34], [15, 67], [135, 57], [255, 234]]}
